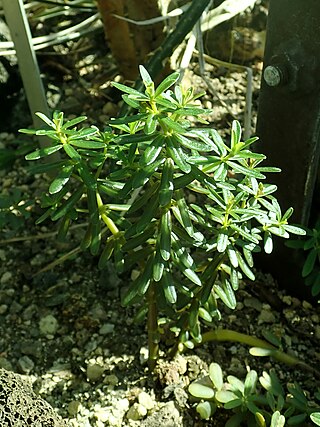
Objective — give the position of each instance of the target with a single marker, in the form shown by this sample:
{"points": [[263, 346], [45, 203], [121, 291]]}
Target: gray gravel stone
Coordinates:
{"points": [[137, 412], [48, 325], [6, 277], [25, 365], [94, 372], [31, 348], [106, 329], [146, 400]]}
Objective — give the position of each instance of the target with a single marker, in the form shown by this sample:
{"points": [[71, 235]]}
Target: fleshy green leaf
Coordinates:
{"points": [[130, 90], [315, 417], [202, 391], [168, 287], [215, 374], [177, 155], [43, 152], [165, 235], [61, 180], [166, 83], [46, 119], [206, 409]]}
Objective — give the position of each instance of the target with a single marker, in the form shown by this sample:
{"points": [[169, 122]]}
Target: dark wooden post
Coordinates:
{"points": [[289, 116]]}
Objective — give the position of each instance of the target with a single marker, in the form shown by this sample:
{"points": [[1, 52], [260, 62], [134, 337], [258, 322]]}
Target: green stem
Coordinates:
{"points": [[229, 335], [152, 325]]}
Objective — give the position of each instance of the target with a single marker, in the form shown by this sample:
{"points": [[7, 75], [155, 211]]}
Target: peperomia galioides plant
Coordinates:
{"points": [[168, 199]]}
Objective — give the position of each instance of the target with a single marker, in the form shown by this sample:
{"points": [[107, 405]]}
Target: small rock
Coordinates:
{"points": [[31, 348], [5, 363], [287, 299], [144, 355], [15, 307], [266, 316], [146, 400], [25, 365], [317, 332], [73, 408], [48, 325], [2, 255], [136, 412], [3, 308], [106, 329], [315, 318], [111, 380], [253, 303], [167, 416], [306, 305], [94, 372], [6, 277]]}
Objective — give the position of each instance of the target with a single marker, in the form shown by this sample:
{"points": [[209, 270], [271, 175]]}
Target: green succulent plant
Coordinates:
{"points": [[254, 402], [168, 199]]}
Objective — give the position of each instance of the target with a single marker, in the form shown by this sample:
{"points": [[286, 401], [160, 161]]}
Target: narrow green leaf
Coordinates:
{"points": [[165, 235], [192, 143], [151, 124], [140, 285], [71, 152], [43, 152], [172, 125], [234, 279], [226, 294], [166, 185], [235, 133], [268, 243], [128, 119], [232, 255], [205, 315], [74, 122], [90, 145], [168, 287], [149, 213], [87, 176], [158, 267], [166, 83], [177, 155], [107, 252], [46, 119], [244, 267], [61, 180], [139, 239], [222, 240], [184, 213], [295, 230], [142, 176], [129, 90], [152, 152], [146, 78], [143, 199], [68, 205], [237, 168], [245, 234], [181, 252], [309, 263]]}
